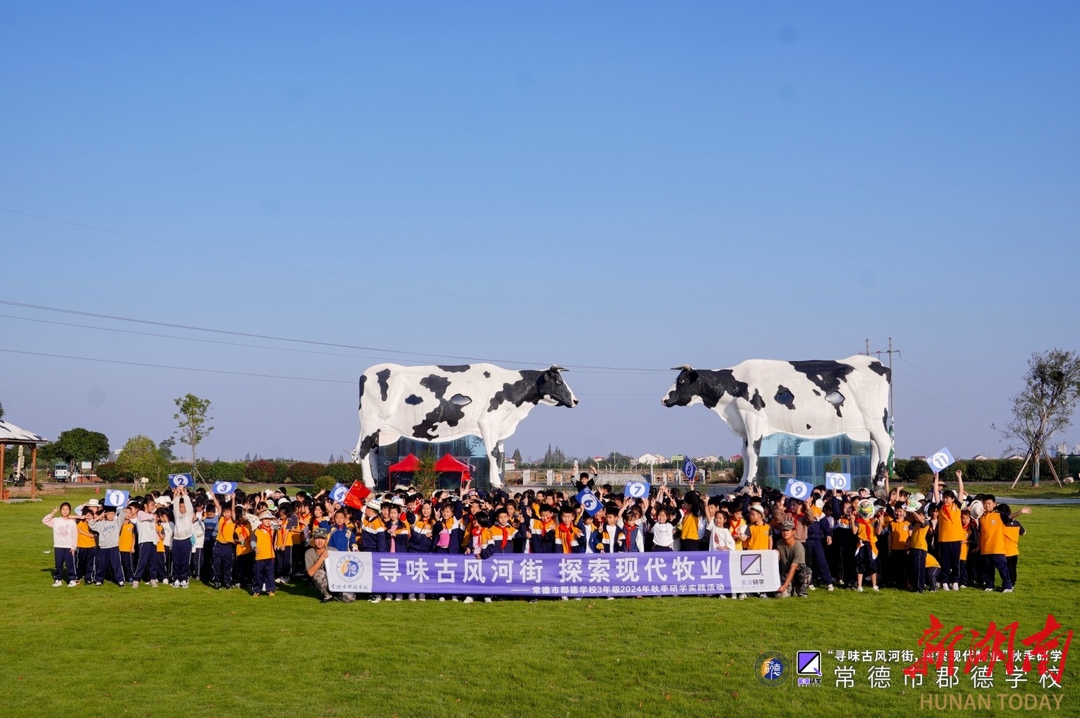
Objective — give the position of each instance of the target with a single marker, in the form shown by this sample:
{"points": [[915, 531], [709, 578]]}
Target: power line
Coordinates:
{"points": [[312, 342], [942, 398], [364, 279], [948, 387], [176, 368]]}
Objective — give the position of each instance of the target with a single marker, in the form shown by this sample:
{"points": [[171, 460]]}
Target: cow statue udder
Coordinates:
{"points": [[809, 399], [443, 403]]}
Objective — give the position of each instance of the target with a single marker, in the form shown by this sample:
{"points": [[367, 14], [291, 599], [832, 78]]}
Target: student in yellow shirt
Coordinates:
{"points": [[932, 571], [224, 556], [920, 527], [899, 530], [950, 531], [86, 544], [244, 570], [264, 556], [758, 534], [992, 545], [1012, 531], [127, 542]]}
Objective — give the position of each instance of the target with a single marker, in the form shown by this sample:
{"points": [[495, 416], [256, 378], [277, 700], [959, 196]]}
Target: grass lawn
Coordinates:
{"points": [[157, 652]]}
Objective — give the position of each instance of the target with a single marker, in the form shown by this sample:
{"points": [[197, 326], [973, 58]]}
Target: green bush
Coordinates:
{"points": [[304, 472], [281, 471], [925, 484], [345, 473], [324, 483], [259, 472], [108, 473], [223, 471], [981, 471]]}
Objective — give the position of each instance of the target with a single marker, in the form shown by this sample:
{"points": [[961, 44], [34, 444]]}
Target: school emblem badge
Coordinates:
{"points": [[772, 668], [349, 569]]}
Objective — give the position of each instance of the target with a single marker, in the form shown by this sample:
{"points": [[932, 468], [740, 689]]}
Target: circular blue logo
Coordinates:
{"points": [[772, 668], [349, 569]]}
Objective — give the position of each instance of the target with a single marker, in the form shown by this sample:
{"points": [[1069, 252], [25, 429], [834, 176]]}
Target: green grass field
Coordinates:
{"points": [[159, 652]]}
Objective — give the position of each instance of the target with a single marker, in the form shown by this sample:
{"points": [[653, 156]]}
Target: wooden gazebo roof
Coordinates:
{"points": [[11, 435]]}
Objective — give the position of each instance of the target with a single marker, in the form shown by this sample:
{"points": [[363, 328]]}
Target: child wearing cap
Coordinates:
{"points": [[373, 535], [263, 537], [758, 533], [65, 538]]}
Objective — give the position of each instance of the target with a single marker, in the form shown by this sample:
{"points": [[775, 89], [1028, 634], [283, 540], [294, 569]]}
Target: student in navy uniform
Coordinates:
{"points": [[373, 536], [421, 528], [342, 538], [818, 536], [502, 533], [590, 535], [542, 531], [448, 531]]}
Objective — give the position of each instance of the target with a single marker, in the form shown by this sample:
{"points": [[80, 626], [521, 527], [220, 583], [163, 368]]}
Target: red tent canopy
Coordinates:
{"points": [[409, 463], [450, 464]]}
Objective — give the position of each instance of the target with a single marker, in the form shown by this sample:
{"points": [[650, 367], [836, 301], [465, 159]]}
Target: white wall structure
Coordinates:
{"points": [[442, 403], [811, 399]]}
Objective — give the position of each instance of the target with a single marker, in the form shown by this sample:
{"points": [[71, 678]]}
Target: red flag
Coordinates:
{"points": [[357, 493]]}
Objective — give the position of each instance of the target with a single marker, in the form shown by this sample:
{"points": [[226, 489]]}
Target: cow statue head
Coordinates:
{"points": [[553, 390], [686, 389]]}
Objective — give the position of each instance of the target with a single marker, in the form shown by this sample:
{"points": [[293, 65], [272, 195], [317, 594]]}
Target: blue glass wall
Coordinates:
{"points": [[468, 450], [784, 457]]}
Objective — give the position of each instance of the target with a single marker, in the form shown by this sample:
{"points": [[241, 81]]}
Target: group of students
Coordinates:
{"points": [[949, 540]]}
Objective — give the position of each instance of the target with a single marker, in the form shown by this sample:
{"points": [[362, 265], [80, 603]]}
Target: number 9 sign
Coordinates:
{"points": [[940, 461], [797, 489]]}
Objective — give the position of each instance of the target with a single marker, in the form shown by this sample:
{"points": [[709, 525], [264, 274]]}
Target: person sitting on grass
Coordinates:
{"points": [[315, 566], [795, 573]]}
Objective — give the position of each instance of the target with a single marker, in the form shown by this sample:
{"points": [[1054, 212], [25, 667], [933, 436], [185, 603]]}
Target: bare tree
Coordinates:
{"points": [[1046, 405]]}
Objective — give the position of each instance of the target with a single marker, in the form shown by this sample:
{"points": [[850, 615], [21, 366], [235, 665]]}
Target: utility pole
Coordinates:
{"points": [[892, 409]]}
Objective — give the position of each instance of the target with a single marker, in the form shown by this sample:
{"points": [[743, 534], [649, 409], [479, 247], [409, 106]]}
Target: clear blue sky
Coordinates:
{"points": [[618, 184]]}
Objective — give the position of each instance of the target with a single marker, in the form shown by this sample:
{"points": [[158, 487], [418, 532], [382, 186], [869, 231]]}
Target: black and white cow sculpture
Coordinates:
{"points": [[804, 398], [442, 403]]}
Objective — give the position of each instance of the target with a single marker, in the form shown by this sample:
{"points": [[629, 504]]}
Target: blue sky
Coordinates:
{"points": [[622, 184]]}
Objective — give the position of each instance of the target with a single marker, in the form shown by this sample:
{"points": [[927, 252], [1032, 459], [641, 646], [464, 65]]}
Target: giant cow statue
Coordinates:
{"points": [[804, 398], [443, 403]]}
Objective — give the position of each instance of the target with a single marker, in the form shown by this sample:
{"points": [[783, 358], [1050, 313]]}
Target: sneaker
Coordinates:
{"points": [[175, 584], [610, 598], [945, 587], [375, 599], [468, 599], [121, 584], [955, 586], [57, 583], [270, 594], [830, 588], [876, 588], [742, 596], [453, 598], [723, 597], [326, 599], [412, 596], [487, 599], [859, 589], [153, 583], [565, 598], [812, 587], [423, 597], [134, 584], [165, 581], [1006, 590], [762, 595], [98, 583], [802, 595], [398, 597], [389, 597], [989, 590], [442, 598]]}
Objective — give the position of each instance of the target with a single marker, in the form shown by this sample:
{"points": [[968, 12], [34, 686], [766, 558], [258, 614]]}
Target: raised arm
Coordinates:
{"points": [[960, 494]]}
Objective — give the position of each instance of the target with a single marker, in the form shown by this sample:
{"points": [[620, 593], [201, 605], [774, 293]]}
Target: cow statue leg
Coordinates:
{"points": [[880, 443], [491, 440], [361, 455]]}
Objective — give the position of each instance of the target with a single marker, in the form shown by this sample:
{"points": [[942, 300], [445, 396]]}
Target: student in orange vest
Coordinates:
{"points": [[264, 556], [1013, 530], [992, 545], [950, 532]]}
